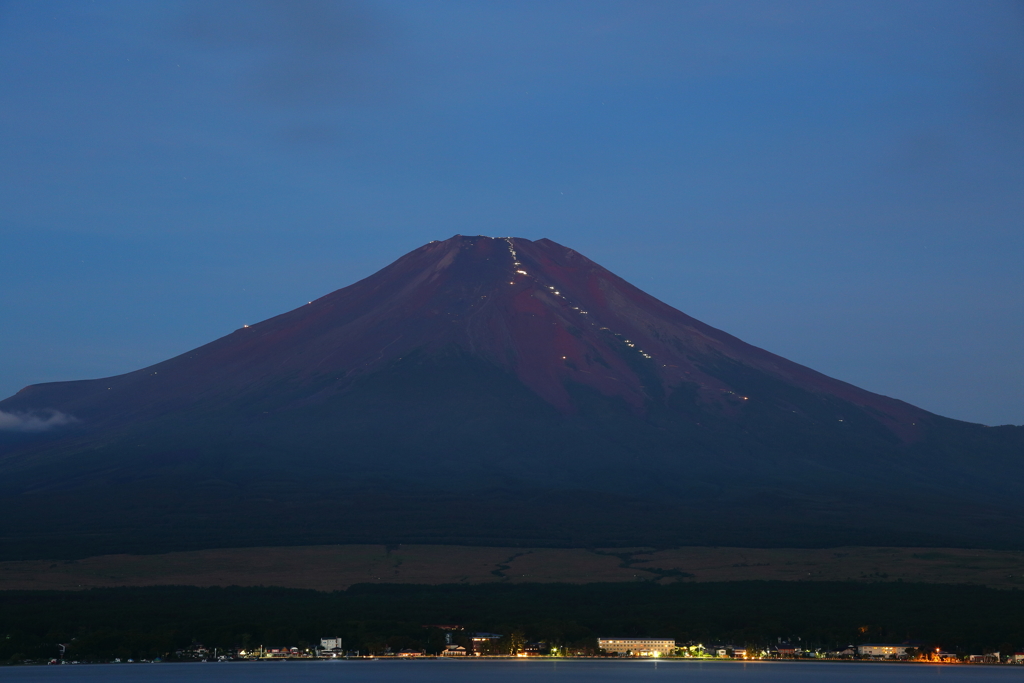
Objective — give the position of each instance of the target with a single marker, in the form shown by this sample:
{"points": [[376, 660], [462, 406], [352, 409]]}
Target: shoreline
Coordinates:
{"points": [[538, 660]]}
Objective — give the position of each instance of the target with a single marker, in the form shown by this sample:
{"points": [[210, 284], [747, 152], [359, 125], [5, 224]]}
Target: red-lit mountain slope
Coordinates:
{"points": [[539, 310], [493, 390]]}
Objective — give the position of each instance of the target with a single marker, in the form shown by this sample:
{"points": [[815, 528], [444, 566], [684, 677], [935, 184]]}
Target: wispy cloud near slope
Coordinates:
{"points": [[34, 422]]}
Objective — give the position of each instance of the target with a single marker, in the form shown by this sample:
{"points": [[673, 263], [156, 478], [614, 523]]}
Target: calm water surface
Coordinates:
{"points": [[512, 672]]}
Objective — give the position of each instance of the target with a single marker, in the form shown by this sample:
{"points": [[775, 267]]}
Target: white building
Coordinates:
{"points": [[638, 647], [882, 650], [330, 643]]}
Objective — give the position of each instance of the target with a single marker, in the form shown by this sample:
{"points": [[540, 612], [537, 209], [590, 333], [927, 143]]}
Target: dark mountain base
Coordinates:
{"points": [[154, 520], [452, 450]]}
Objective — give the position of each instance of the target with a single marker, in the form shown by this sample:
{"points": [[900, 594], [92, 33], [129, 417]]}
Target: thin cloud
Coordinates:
{"points": [[34, 422], [299, 52]]}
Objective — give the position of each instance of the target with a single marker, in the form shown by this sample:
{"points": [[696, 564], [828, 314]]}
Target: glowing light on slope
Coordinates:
{"points": [[521, 271]]}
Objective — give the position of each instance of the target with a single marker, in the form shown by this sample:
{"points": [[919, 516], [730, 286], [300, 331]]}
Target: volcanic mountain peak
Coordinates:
{"points": [[554, 319], [557, 320]]}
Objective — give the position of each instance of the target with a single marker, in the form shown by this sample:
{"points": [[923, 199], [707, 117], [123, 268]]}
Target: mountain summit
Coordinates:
{"points": [[492, 390], [537, 310]]}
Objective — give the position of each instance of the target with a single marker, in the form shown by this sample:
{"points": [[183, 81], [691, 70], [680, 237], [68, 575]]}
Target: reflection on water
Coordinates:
{"points": [[547, 671]]}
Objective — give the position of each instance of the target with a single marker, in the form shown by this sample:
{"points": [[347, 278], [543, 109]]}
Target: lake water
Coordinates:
{"points": [[514, 672]]}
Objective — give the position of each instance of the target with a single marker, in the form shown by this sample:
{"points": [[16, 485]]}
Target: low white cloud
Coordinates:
{"points": [[34, 422]]}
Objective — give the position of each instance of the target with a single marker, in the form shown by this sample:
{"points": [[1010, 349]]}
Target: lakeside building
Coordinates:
{"points": [[284, 653], [453, 651], [330, 644], [783, 650], [485, 643], [987, 658], [882, 650], [638, 647]]}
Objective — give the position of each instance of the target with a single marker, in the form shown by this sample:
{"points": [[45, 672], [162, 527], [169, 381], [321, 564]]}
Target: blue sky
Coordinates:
{"points": [[839, 183]]}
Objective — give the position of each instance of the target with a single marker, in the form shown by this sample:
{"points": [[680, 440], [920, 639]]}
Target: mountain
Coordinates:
{"points": [[491, 390]]}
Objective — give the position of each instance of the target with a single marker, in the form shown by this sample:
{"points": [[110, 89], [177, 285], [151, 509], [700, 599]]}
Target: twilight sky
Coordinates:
{"points": [[840, 183]]}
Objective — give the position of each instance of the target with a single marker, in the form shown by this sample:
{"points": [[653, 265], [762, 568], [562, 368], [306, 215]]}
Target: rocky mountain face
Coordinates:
{"points": [[485, 390]]}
